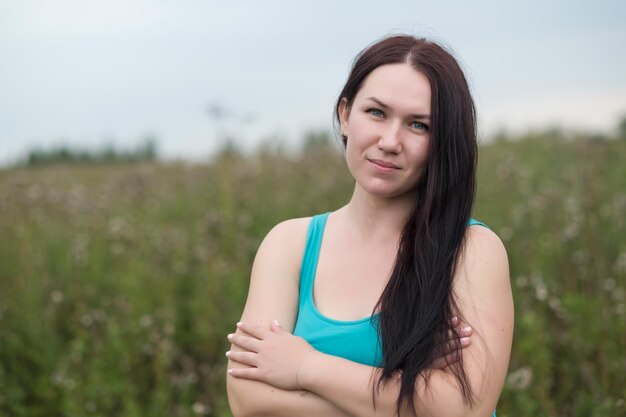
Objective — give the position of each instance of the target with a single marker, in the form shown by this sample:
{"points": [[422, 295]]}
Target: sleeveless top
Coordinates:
{"points": [[355, 340]]}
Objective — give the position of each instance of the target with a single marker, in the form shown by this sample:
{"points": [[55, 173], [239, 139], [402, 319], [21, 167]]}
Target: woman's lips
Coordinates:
{"points": [[384, 165]]}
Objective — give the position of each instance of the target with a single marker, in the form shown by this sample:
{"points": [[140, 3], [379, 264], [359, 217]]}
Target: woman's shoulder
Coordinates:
{"points": [[483, 295], [274, 280], [291, 230], [286, 241], [481, 241], [484, 261], [277, 262]]}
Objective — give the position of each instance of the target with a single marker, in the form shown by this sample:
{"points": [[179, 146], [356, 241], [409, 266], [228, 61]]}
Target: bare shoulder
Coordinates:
{"points": [[482, 275], [483, 238], [285, 241], [282, 249], [275, 277], [484, 260], [273, 295], [483, 291], [290, 229]]}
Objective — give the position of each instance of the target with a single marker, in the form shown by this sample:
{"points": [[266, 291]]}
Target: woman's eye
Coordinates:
{"points": [[376, 112], [419, 126]]}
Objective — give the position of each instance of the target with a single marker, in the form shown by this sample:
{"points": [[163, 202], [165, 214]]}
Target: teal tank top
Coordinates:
{"points": [[355, 340]]}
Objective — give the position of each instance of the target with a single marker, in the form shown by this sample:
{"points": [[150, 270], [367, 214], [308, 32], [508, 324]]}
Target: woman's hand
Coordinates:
{"points": [[274, 355], [447, 353]]}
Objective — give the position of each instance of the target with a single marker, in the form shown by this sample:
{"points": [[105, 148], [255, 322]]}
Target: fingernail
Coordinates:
{"points": [[467, 329], [238, 324], [465, 341], [230, 371], [276, 323], [230, 337], [227, 353]]}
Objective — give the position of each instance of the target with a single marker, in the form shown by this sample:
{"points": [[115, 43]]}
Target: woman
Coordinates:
{"points": [[377, 292]]}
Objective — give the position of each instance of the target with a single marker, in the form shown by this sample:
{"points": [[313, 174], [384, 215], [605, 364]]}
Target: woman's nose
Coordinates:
{"points": [[390, 140]]}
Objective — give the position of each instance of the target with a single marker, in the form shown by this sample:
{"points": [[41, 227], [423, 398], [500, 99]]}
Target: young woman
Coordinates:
{"points": [[356, 312]]}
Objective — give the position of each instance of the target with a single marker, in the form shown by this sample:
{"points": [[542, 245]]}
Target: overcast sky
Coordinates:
{"points": [[86, 72]]}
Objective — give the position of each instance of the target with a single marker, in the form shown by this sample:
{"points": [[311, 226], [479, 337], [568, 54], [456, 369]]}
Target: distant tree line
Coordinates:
{"points": [[311, 141], [147, 151]]}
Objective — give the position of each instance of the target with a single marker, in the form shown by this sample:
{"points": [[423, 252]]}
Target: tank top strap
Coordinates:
{"points": [[474, 222], [315, 233], [314, 237]]}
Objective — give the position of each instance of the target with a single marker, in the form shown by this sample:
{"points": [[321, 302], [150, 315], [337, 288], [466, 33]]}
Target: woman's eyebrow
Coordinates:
{"points": [[385, 106]]}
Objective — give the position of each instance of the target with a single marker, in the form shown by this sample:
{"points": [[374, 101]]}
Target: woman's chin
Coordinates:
{"points": [[380, 191]]}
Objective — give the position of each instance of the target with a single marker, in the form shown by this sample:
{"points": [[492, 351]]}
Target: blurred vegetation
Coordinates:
{"points": [[147, 151], [118, 283]]}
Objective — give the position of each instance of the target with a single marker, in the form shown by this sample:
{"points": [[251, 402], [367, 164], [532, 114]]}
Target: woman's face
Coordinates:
{"points": [[387, 127]]}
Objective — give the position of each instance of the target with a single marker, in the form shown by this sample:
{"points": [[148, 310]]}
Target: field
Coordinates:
{"points": [[119, 282]]}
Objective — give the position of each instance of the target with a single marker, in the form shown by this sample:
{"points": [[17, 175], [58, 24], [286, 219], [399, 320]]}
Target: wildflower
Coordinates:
{"points": [[520, 379], [86, 320], [199, 408], [56, 297]]}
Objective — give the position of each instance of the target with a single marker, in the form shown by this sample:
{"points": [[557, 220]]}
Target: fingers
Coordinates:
{"points": [[275, 327], [460, 329], [244, 342], [244, 358], [453, 357], [450, 345], [251, 334], [447, 360], [245, 373], [465, 342], [439, 363], [252, 329], [460, 332]]}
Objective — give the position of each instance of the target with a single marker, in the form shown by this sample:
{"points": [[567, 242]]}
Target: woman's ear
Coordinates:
{"points": [[344, 114]]}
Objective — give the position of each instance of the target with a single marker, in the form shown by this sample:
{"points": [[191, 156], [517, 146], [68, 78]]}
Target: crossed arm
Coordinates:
{"points": [[268, 364], [273, 294]]}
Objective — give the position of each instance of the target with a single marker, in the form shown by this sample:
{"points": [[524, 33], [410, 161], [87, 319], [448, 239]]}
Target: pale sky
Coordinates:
{"points": [[86, 72]]}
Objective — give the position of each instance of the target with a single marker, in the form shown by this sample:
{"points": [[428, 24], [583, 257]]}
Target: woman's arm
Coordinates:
{"points": [[273, 294], [484, 296]]}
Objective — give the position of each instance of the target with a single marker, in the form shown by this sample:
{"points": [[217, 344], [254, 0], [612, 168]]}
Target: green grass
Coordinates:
{"points": [[118, 283]]}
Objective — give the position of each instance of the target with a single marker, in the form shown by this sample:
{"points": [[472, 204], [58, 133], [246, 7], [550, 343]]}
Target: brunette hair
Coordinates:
{"points": [[417, 305]]}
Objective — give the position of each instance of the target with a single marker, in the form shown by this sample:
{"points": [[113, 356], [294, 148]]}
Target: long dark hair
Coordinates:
{"points": [[417, 305]]}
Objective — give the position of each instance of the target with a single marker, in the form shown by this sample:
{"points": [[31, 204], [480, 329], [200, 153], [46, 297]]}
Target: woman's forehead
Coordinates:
{"points": [[399, 87]]}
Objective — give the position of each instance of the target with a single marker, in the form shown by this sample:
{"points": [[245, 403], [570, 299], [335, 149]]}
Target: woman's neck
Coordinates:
{"points": [[378, 217]]}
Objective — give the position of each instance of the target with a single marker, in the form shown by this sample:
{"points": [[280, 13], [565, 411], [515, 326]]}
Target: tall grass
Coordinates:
{"points": [[119, 283]]}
